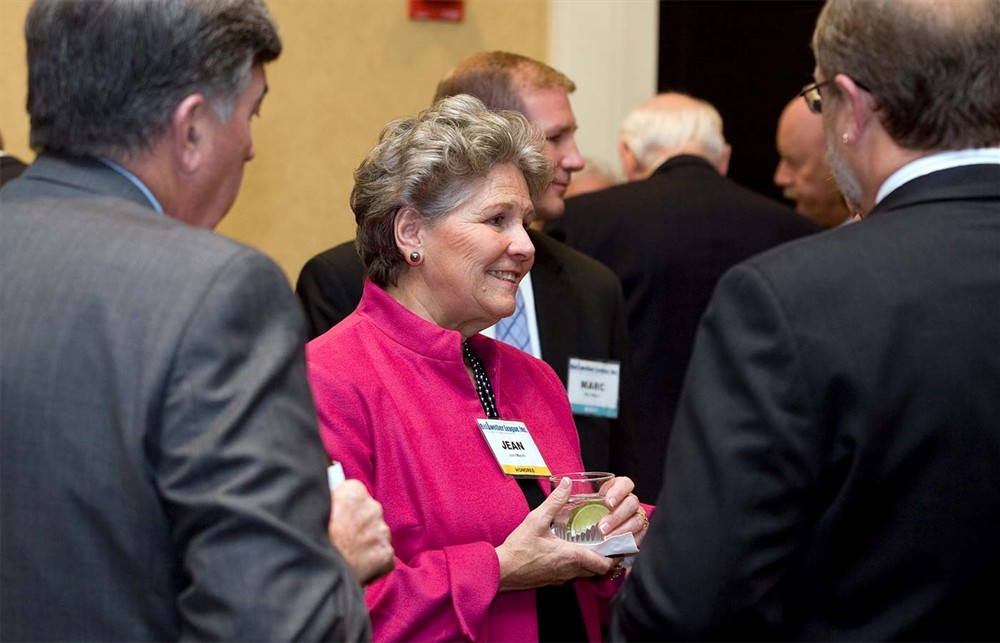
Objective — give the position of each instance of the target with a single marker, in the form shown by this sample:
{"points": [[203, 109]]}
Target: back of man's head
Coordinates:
{"points": [[932, 67], [671, 124], [104, 76], [497, 77]]}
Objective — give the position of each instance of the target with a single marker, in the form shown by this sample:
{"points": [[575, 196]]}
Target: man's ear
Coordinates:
{"points": [[408, 227], [630, 164], [860, 108], [723, 165], [190, 133]]}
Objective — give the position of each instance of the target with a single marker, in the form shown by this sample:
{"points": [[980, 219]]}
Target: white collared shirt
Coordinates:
{"points": [[936, 163]]}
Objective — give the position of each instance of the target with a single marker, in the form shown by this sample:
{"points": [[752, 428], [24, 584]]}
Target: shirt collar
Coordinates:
{"points": [[135, 181], [936, 163]]}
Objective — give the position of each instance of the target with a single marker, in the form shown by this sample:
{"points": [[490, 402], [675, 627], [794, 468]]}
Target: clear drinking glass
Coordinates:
{"points": [[578, 518]]}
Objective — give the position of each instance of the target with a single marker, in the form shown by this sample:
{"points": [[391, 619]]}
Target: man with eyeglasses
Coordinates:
{"points": [[834, 469]]}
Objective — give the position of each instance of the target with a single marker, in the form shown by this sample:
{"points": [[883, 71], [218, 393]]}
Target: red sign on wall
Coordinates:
{"points": [[449, 10]]}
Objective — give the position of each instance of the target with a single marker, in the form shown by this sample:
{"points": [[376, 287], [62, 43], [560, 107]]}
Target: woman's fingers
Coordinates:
{"points": [[622, 518]]}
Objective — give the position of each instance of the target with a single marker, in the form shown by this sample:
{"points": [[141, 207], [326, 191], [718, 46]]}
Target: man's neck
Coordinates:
{"points": [[882, 160], [672, 154]]}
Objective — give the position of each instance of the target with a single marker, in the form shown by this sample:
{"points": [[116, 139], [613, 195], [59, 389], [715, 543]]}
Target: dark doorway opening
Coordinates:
{"points": [[748, 58]]}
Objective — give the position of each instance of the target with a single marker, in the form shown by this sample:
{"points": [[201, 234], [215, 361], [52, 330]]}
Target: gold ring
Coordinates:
{"points": [[645, 519]]}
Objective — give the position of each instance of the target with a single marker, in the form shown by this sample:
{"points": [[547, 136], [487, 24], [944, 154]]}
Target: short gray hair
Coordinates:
{"points": [[433, 163], [932, 67], [673, 121], [104, 76]]}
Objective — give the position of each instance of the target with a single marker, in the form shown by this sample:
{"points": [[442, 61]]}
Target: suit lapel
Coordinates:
{"points": [[554, 304]]}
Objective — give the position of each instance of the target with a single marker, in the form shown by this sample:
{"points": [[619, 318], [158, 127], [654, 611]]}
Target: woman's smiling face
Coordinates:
{"points": [[476, 254]]}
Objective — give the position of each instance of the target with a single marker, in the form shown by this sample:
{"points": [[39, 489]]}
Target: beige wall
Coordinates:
{"points": [[13, 79], [347, 68]]}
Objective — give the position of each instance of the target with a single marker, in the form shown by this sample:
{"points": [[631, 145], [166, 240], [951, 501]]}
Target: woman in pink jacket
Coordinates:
{"points": [[442, 203]]}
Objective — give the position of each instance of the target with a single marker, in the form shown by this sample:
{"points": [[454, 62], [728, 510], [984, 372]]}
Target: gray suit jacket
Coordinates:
{"points": [[834, 471], [162, 473], [580, 312]]}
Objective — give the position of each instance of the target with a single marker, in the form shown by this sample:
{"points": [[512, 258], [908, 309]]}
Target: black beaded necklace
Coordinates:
{"points": [[483, 388]]}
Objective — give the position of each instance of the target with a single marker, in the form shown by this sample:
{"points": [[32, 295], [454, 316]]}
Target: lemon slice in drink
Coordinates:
{"points": [[585, 517]]}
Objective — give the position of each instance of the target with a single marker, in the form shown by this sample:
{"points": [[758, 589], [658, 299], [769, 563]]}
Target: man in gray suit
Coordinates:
{"points": [[162, 473], [833, 472]]}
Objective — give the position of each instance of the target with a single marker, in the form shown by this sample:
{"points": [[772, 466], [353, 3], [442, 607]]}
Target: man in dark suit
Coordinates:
{"points": [[161, 472], [10, 166], [669, 234], [578, 309], [835, 465], [330, 286]]}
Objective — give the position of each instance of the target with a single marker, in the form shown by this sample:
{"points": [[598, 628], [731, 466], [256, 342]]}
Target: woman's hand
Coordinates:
{"points": [[627, 515], [533, 557]]}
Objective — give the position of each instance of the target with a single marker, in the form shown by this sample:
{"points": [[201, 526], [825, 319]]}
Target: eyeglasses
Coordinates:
{"points": [[814, 100]]}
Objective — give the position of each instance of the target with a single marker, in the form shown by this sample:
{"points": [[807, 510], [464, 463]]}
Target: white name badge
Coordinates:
{"points": [[513, 447], [593, 387]]}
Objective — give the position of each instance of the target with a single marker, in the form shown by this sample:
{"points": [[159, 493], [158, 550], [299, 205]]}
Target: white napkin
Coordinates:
{"points": [[621, 545], [334, 475]]}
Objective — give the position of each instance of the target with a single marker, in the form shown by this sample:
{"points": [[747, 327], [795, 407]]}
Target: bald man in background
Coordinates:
{"points": [[802, 173]]}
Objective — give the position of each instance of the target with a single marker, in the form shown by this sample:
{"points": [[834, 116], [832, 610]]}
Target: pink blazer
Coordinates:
{"points": [[398, 410]]}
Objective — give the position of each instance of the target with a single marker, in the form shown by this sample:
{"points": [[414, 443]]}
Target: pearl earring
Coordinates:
{"points": [[415, 257], [845, 138]]}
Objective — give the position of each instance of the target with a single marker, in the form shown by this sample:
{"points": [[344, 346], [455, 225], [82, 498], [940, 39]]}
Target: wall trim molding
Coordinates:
{"points": [[609, 48]]}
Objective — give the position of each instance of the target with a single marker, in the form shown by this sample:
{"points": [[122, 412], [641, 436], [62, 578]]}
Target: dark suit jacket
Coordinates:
{"points": [[580, 313], [11, 167], [834, 472], [161, 471], [330, 286], [669, 238]]}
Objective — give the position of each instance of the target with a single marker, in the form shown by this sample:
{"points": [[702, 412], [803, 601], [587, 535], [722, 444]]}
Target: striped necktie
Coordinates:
{"points": [[513, 330]]}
